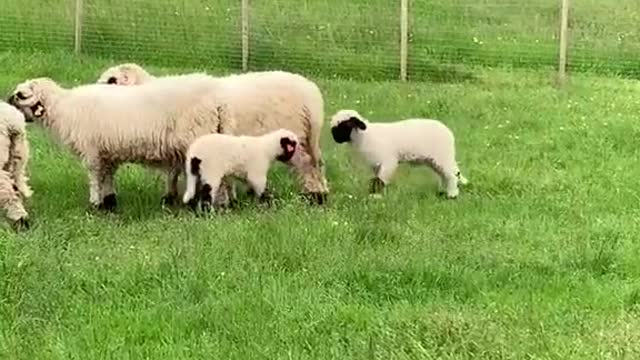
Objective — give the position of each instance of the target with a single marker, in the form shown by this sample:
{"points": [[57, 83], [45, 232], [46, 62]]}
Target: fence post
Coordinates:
{"points": [[564, 25], [245, 35], [77, 43], [404, 35]]}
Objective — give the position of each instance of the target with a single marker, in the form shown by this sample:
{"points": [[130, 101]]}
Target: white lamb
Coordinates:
{"points": [[217, 157], [384, 145], [107, 126], [261, 102], [14, 156]]}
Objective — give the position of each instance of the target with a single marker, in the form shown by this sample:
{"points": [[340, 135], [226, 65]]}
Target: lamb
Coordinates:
{"points": [[14, 156], [385, 145], [107, 126], [217, 157], [261, 102]]}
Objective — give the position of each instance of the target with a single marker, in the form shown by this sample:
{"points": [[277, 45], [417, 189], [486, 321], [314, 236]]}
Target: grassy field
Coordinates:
{"points": [[336, 38], [538, 258]]}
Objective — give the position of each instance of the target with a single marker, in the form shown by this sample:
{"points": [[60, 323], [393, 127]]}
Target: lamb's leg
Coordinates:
{"points": [[108, 192], [449, 175], [208, 193], [258, 184], [171, 196], [19, 159], [311, 175], [383, 173], [11, 202]]}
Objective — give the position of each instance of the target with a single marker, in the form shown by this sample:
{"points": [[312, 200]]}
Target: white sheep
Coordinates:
{"points": [[216, 157], [261, 102], [386, 144], [108, 126], [14, 156]]}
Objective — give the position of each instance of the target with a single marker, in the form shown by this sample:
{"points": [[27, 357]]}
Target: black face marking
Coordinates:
{"points": [[37, 110], [21, 96], [112, 80], [288, 149], [342, 132], [195, 166], [109, 203], [376, 186], [21, 224]]}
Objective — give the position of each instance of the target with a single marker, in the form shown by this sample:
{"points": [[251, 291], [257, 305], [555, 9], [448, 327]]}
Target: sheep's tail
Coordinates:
{"points": [[314, 114], [193, 181]]}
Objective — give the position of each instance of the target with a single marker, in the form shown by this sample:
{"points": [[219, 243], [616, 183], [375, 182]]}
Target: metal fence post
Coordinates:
{"points": [[77, 43], [245, 35], [564, 25], [404, 36]]}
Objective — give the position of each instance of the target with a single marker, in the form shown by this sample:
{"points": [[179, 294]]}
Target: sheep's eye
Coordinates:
{"points": [[112, 80], [20, 95]]}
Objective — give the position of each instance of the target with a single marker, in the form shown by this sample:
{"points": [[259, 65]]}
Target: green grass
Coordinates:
{"points": [[538, 258], [336, 38]]}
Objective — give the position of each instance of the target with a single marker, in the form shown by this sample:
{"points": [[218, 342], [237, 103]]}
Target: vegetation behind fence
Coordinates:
{"points": [[334, 38]]}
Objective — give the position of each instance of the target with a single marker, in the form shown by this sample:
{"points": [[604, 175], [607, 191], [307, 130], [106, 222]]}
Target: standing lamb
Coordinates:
{"points": [[262, 102], [384, 145], [107, 126], [14, 156], [217, 157]]}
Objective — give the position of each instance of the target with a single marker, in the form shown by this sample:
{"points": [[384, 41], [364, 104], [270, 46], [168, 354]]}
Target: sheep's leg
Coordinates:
{"points": [[258, 184], [19, 164], [11, 202], [223, 195], [311, 175], [383, 173], [449, 176], [99, 173], [171, 195], [208, 193]]}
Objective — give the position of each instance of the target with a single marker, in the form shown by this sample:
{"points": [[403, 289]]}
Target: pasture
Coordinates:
{"points": [[537, 258]]}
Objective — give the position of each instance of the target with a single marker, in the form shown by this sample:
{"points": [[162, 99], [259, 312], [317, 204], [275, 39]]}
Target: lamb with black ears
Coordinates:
{"points": [[386, 144], [214, 157]]}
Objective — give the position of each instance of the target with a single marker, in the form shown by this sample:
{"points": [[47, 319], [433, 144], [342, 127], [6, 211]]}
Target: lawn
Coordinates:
{"points": [[537, 259]]}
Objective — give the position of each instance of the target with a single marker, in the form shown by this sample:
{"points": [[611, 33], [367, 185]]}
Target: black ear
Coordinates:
{"points": [[358, 123], [112, 80]]}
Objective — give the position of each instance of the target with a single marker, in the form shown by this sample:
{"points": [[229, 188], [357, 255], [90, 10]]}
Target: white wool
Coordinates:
{"points": [[14, 156], [386, 144], [261, 102], [221, 156], [110, 125]]}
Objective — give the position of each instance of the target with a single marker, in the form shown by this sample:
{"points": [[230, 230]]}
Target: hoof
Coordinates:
{"points": [[376, 186], [169, 200], [317, 198], [21, 224], [109, 203], [193, 204]]}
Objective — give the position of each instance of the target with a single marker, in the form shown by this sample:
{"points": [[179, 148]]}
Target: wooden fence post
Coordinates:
{"points": [[564, 25], [245, 35], [77, 42], [404, 36]]}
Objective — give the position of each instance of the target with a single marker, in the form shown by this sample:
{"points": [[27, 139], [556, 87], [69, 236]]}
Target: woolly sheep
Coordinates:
{"points": [[212, 158], [384, 145], [14, 156], [107, 126], [261, 102]]}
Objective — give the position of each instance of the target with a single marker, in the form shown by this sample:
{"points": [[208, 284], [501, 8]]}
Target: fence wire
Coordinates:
{"points": [[335, 38]]}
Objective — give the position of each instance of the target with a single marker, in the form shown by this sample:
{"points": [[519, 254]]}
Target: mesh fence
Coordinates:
{"points": [[335, 38]]}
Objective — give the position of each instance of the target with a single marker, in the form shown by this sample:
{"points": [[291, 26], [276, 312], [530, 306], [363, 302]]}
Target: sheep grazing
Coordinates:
{"points": [[107, 126], [384, 145], [14, 156], [217, 157], [262, 102]]}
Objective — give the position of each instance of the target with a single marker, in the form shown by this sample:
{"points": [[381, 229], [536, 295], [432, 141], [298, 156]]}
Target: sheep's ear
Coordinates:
{"points": [[358, 123]]}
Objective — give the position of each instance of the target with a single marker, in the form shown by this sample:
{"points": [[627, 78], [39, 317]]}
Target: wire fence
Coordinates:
{"points": [[436, 40]]}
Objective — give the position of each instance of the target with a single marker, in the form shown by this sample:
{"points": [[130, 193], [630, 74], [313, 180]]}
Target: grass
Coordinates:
{"points": [[334, 38], [537, 259]]}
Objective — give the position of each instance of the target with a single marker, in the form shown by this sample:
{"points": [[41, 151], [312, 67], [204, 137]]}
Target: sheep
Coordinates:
{"points": [[262, 102], [216, 157], [385, 145], [108, 126], [14, 156]]}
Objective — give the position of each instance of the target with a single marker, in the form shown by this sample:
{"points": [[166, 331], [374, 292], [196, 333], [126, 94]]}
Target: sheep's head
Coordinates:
{"points": [[288, 145], [124, 74], [31, 96], [343, 123]]}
